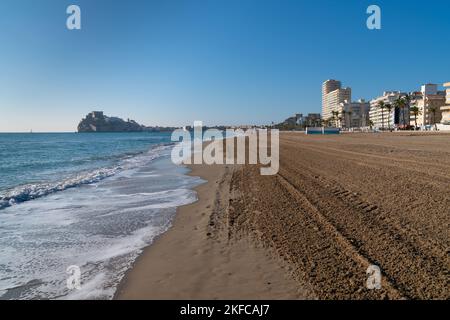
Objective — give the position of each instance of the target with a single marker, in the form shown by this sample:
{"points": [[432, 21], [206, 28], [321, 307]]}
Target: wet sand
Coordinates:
{"points": [[338, 205]]}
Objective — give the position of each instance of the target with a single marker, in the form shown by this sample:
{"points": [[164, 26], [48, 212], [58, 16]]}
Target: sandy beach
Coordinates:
{"points": [[201, 258], [338, 205]]}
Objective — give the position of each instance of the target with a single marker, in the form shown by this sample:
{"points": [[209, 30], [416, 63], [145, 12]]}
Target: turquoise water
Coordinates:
{"points": [[50, 157], [90, 200]]}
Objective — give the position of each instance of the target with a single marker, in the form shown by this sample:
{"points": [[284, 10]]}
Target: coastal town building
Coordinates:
{"points": [[354, 114], [428, 102], [445, 110], [295, 120], [327, 87], [310, 120], [384, 118], [96, 121], [332, 96]]}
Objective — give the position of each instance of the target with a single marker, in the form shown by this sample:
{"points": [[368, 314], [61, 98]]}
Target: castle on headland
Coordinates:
{"points": [[96, 121]]}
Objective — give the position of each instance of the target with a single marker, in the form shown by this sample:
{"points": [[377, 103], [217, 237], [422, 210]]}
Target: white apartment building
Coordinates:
{"points": [[327, 87], [332, 96], [354, 114], [429, 102], [387, 119]]}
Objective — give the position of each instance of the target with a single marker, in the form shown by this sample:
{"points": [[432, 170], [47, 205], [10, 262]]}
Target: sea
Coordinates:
{"points": [[77, 209]]}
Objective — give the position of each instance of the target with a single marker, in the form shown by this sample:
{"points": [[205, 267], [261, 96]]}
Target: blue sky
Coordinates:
{"points": [[171, 62]]}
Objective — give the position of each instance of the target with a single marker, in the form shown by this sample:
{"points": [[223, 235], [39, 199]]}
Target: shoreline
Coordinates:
{"points": [[338, 205], [196, 259]]}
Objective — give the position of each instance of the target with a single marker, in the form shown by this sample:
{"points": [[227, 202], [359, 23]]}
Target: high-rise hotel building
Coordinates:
{"points": [[332, 96]]}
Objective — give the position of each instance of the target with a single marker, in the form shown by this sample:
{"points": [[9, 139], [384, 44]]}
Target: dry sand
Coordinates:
{"points": [[338, 205]]}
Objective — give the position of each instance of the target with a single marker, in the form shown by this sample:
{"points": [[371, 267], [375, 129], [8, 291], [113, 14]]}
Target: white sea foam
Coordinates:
{"points": [[100, 226], [33, 191]]}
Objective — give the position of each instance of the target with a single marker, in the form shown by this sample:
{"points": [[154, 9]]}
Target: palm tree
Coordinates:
{"points": [[318, 122], [330, 120], [407, 100], [381, 105], [400, 103], [416, 112], [433, 110], [335, 117], [389, 108]]}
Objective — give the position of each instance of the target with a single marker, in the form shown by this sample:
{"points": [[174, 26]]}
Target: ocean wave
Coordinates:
{"points": [[101, 230], [128, 161]]}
